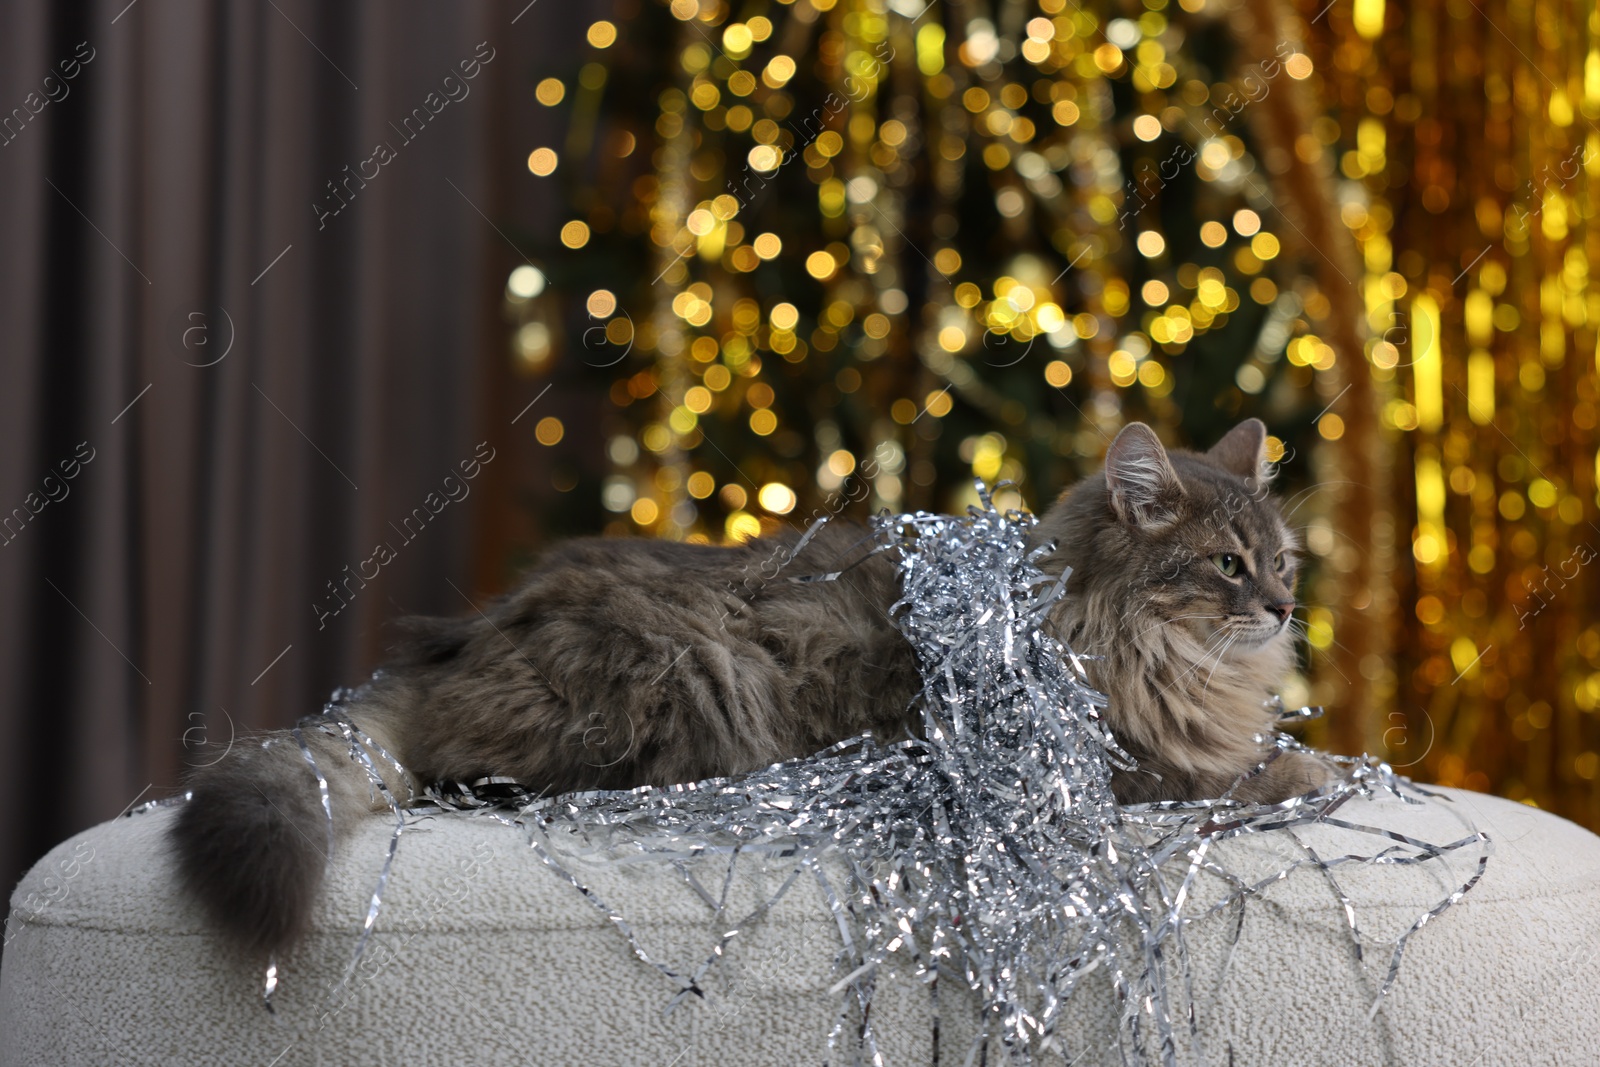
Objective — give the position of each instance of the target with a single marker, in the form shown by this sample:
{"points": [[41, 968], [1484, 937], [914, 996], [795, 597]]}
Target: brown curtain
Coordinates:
{"points": [[155, 213]]}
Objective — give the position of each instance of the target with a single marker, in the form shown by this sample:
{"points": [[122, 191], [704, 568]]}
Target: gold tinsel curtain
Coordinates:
{"points": [[836, 252], [1469, 153]]}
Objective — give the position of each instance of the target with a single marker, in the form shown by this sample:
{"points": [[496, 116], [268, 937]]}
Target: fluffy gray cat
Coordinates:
{"points": [[620, 663]]}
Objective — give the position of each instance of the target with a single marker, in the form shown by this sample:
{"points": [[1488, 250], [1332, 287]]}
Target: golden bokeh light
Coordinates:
{"points": [[575, 234], [550, 92], [542, 161], [549, 430], [701, 485], [767, 245], [821, 265], [776, 498]]}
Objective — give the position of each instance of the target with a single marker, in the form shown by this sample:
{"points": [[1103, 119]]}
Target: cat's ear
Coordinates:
{"points": [[1243, 451], [1145, 490]]}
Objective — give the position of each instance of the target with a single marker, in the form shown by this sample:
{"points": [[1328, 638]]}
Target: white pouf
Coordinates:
{"points": [[484, 955]]}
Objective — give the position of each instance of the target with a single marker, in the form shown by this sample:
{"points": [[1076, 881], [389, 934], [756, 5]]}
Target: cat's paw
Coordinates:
{"points": [[1292, 774]]}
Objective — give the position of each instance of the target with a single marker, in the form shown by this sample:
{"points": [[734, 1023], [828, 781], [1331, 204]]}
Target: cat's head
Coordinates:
{"points": [[1187, 541]]}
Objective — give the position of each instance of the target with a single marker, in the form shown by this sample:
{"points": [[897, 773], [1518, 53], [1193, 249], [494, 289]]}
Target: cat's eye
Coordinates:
{"points": [[1281, 563], [1227, 563]]}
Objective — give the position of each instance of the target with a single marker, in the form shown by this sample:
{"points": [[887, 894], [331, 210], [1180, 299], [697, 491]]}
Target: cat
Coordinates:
{"points": [[625, 662], [1183, 587]]}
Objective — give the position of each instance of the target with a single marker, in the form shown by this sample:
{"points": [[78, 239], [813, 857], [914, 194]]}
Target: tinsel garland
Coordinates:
{"points": [[990, 849]]}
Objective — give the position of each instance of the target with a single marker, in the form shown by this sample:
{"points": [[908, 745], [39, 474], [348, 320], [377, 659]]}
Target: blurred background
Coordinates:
{"points": [[317, 315]]}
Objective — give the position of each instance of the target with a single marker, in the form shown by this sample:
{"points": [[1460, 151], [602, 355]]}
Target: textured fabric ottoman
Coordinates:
{"points": [[484, 955]]}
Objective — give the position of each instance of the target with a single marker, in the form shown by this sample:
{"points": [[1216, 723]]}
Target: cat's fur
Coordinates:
{"points": [[625, 662]]}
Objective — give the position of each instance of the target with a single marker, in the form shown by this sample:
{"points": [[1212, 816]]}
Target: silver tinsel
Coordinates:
{"points": [[990, 850]]}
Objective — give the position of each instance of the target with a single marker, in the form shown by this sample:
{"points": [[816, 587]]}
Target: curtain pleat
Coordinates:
{"points": [[200, 577]]}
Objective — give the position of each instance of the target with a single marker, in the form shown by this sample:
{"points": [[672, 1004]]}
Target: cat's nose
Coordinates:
{"points": [[1283, 610]]}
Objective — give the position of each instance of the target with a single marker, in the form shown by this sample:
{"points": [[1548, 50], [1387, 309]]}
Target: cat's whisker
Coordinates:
{"points": [[1213, 672], [1304, 495], [1341, 535], [1230, 636], [1145, 609], [1301, 629], [1205, 654], [1336, 670], [1175, 618], [1215, 660], [1294, 503]]}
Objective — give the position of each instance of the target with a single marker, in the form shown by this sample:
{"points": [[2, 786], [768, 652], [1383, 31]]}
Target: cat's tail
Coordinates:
{"points": [[253, 841]]}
